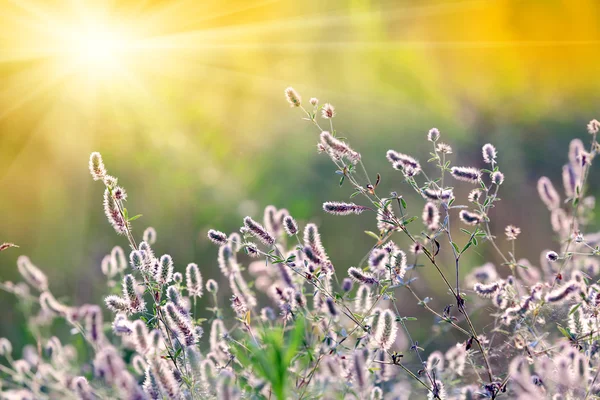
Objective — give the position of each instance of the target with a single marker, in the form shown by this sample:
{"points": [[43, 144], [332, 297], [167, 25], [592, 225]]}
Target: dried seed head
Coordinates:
{"points": [[361, 277], [469, 218], [217, 237], [258, 231], [337, 208], [212, 286], [328, 111], [467, 174], [290, 225], [593, 127], [193, 280], [498, 178], [512, 232], [547, 193], [433, 135], [293, 97], [385, 334], [97, 168], [489, 153]]}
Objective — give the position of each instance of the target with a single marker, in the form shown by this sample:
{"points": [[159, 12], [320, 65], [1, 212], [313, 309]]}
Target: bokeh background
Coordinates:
{"points": [[184, 99]]}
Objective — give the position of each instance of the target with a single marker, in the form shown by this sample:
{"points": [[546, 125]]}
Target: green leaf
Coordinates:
{"points": [[134, 217], [455, 246], [342, 180], [403, 203], [373, 235]]}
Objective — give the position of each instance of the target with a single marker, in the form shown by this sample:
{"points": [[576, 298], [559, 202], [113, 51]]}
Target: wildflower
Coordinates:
{"points": [[444, 148], [121, 326], [135, 301], [252, 249], [49, 303], [512, 232], [486, 290], [497, 178], [593, 127], [177, 277], [136, 260], [385, 334], [181, 324], [93, 322], [165, 379], [97, 168], [149, 235], [362, 302], [347, 285], [433, 135], [293, 97], [226, 260], [258, 231], [140, 337], [563, 293], [312, 239], [403, 161], [431, 216], [338, 148], [119, 193], [489, 153], [212, 286], [193, 280], [217, 237], [377, 259], [360, 377], [113, 214], [81, 386], [570, 180], [552, 256], [576, 148], [164, 273], [337, 208], [328, 111], [475, 195], [444, 195], [32, 274], [467, 174], [331, 307], [314, 101], [416, 248], [361, 277], [290, 225], [398, 265], [547, 193], [469, 218], [116, 303]]}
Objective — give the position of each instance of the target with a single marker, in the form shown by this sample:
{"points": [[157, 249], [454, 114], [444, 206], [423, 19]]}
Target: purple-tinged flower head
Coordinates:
{"points": [[337, 148], [139, 364], [431, 216], [239, 306], [5, 347], [347, 284], [150, 385], [113, 214], [141, 337], [328, 111], [131, 295], [312, 239], [361, 277], [444, 148], [433, 135], [404, 162], [252, 249], [258, 231], [149, 235], [108, 364], [489, 153], [593, 127], [416, 248], [50, 304], [313, 101], [240, 288], [121, 325], [486, 290], [81, 387], [174, 295], [110, 181], [497, 178], [193, 280], [290, 225], [164, 274], [136, 259], [312, 256], [337, 208], [293, 97], [438, 391], [212, 286], [97, 168], [512, 232], [385, 333], [377, 259], [119, 193], [270, 221], [552, 256], [116, 303], [398, 264], [217, 237], [32, 274], [227, 260], [444, 195], [177, 277], [118, 258], [475, 195], [359, 371], [576, 149], [466, 174], [165, 379], [385, 215], [570, 178], [470, 218], [93, 323], [570, 290], [331, 307], [547, 193], [181, 324]]}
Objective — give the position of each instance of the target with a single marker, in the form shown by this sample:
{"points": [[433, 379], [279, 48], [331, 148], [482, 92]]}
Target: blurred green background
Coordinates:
{"points": [[184, 99]]}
